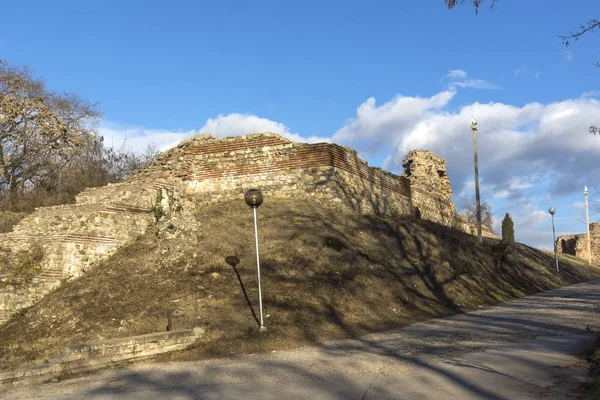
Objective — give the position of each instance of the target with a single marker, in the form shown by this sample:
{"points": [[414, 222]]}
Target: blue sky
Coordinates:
{"points": [[383, 77]]}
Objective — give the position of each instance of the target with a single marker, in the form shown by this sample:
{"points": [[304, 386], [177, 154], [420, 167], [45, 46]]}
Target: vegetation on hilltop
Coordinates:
{"points": [[50, 149]]}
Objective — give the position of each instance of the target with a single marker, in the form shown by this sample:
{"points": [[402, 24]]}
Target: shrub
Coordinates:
{"points": [[508, 229]]}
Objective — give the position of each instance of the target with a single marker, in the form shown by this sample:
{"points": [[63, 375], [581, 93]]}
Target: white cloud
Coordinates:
{"points": [[529, 155], [538, 74], [454, 74], [568, 55], [533, 219], [138, 138], [592, 94], [458, 78], [520, 70], [475, 84], [375, 127], [578, 205], [501, 194], [530, 142]]}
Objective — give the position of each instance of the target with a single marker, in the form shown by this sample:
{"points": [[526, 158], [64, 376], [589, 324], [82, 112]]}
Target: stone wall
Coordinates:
{"points": [[91, 356], [431, 192], [221, 169], [205, 170], [75, 236], [576, 245], [463, 225]]}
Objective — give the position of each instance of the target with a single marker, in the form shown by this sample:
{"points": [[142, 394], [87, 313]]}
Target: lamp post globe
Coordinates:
{"points": [[253, 197], [552, 210]]}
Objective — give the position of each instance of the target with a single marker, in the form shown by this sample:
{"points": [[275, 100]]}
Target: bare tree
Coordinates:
{"points": [[30, 131], [50, 149], [589, 26], [476, 4], [574, 35], [487, 216]]}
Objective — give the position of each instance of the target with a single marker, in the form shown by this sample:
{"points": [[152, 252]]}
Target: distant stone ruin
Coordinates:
{"points": [[576, 245], [75, 236]]}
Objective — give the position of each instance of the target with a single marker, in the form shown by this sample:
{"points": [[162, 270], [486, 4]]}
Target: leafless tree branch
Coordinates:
{"points": [[589, 26], [476, 4]]}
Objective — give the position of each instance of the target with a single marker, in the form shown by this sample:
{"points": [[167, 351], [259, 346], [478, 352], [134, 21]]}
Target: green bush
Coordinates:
{"points": [[508, 229]]}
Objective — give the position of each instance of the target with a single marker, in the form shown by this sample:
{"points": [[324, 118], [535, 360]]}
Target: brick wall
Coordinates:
{"points": [[223, 169]]}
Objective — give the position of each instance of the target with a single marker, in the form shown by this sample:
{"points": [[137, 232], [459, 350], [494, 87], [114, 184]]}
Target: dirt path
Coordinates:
{"points": [[517, 350]]}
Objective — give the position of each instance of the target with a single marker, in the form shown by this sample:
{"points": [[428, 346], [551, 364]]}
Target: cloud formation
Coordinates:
{"points": [[524, 152], [528, 154], [568, 55], [520, 70], [458, 78], [138, 138]]}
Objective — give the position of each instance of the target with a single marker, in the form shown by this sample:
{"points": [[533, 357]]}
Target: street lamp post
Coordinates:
{"points": [[254, 199], [476, 163], [552, 211], [587, 225]]}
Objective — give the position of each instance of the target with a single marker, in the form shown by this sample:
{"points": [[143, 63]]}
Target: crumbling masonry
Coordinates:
{"points": [[75, 236], [576, 245]]}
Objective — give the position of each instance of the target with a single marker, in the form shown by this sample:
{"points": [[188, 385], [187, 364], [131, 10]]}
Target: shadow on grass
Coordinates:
{"points": [[234, 261]]}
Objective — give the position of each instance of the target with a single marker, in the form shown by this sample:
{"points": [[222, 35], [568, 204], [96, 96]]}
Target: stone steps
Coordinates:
{"points": [[79, 208], [60, 238], [75, 236], [50, 275]]}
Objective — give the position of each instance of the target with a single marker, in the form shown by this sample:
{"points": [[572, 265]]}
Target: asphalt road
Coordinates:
{"points": [[522, 349]]}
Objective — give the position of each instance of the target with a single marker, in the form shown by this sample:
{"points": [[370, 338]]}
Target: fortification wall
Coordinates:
{"points": [[73, 237], [576, 245], [205, 170], [223, 169], [463, 225]]}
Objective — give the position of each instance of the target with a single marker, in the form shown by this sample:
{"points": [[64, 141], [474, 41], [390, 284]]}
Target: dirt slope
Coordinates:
{"points": [[326, 274]]}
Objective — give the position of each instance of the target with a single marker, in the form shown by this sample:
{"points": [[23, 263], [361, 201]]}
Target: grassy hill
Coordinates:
{"points": [[326, 274]]}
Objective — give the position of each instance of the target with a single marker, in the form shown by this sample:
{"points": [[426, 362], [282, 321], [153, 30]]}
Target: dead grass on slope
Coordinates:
{"points": [[326, 274], [9, 219]]}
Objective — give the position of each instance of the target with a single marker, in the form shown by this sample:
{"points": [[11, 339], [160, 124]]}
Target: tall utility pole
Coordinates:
{"points": [[587, 225], [552, 211], [477, 199]]}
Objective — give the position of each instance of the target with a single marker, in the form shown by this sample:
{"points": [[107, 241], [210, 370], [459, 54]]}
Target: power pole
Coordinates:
{"points": [[477, 199], [587, 225], [552, 211]]}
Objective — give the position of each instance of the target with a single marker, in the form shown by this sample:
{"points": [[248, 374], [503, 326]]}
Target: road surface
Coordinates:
{"points": [[522, 349]]}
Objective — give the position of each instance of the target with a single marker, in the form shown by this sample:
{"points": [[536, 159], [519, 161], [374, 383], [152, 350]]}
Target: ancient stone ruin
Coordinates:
{"points": [[576, 245], [75, 236]]}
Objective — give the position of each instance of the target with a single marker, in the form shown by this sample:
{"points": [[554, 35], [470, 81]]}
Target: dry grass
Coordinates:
{"points": [[19, 268], [326, 274], [9, 219]]}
